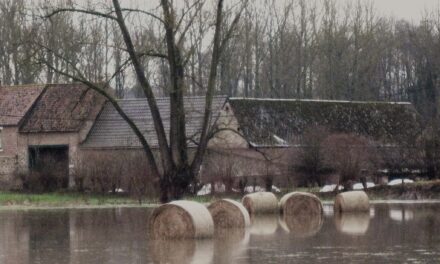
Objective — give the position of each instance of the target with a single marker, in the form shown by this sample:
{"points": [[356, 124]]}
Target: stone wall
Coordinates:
{"points": [[8, 157]]}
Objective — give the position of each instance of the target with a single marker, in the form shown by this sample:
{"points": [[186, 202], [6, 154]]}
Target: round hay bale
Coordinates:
{"points": [[352, 223], [260, 203], [301, 203], [356, 201], [264, 224], [227, 213], [302, 214], [181, 219]]}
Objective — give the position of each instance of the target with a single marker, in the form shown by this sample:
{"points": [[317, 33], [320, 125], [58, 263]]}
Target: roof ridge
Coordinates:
{"points": [[316, 100], [167, 97], [23, 86]]}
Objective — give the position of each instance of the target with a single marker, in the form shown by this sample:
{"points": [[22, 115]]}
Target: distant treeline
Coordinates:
{"points": [[297, 49]]}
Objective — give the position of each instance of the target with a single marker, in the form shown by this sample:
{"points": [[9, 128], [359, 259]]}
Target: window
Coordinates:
{"points": [[1, 143]]}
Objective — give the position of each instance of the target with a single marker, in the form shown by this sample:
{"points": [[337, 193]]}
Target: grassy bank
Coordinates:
{"points": [[425, 190], [416, 191], [64, 200]]}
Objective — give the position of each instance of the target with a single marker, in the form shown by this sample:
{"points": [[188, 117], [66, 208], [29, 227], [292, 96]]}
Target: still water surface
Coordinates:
{"points": [[390, 233]]}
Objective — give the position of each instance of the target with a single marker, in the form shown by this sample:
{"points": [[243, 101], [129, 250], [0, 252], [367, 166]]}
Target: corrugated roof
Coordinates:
{"points": [[15, 102], [111, 131], [272, 122], [63, 108]]}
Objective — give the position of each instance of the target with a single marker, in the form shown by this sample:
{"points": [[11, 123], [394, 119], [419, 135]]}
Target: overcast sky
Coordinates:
{"points": [[408, 9], [401, 9]]}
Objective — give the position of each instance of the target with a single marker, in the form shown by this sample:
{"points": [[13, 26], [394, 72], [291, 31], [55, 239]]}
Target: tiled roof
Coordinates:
{"points": [[111, 131], [279, 122], [63, 108], [15, 102]]}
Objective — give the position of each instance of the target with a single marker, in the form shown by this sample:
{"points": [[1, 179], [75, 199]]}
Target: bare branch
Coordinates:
{"points": [[191, 21], [76, 10], [231, 29], [103, 91], [143, 12], [216, 52], [167, 162]]}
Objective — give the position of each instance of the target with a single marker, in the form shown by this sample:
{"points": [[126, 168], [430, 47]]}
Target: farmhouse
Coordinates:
{"points": [[275, 128], [15, 103], [43, 126], [71, 130], [254, 140]]}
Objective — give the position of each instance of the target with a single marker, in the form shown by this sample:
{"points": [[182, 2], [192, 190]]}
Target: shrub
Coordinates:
{"points": [[350, 155], [312, 164], [100, 172]]}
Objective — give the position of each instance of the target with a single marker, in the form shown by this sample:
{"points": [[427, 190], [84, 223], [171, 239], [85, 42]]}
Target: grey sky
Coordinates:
{"points": [[408, 9], [401, 9]]}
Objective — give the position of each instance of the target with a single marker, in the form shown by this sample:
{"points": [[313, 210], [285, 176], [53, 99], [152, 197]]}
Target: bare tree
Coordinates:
{"points": [[175, 169]]}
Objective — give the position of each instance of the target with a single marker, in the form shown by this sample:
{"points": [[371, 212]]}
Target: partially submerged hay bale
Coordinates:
{"points": [[260, 203], [352, 223], [302, 214], [227, 213], [264, 224], [301, 203], [356, 201], [181, 219]]}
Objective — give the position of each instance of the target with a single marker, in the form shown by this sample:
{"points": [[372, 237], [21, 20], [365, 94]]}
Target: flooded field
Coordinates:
{"points": [[390, 233]]}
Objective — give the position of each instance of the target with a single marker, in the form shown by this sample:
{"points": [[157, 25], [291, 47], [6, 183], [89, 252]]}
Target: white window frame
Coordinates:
{"points": [[1, 139]]}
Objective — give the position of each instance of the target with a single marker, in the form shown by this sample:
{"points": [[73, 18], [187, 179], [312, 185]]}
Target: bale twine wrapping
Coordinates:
{"points": [[356, 201], [181, 219], [260, 203], [352, 223], [302, 214], [227, 213]]}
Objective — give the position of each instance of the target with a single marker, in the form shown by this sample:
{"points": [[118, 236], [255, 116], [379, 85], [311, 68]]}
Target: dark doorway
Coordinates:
{"points": [[49, 166]]}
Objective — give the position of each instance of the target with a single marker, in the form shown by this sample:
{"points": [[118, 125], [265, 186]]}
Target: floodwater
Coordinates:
{"points": [[389, 233]]}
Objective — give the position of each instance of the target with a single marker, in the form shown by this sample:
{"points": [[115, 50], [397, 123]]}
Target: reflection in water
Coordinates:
{"points": [[352, 223], [184, 251], [372, 212], [226, 247], [301, 225], [401, 214], [14, 239], [328, 209], [114, 236], [117, 233], [47, 232], [230, 244], [264, 224]]}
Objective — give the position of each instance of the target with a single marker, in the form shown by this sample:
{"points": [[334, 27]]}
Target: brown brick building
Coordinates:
{"points": [[42, 125]]}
